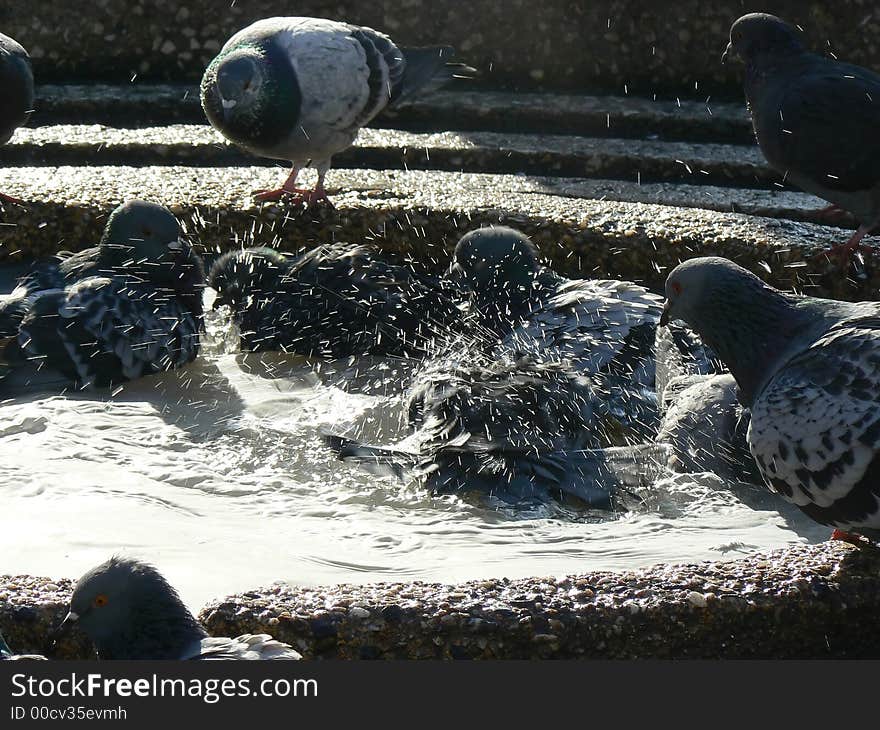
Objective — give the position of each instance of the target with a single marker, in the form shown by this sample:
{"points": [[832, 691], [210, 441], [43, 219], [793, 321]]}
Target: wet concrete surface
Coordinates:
{"points": [[817, 601]]}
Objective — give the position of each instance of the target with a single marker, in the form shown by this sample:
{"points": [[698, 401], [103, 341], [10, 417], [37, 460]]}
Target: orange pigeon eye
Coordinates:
{"points": [[676, 287], [100, 600]]}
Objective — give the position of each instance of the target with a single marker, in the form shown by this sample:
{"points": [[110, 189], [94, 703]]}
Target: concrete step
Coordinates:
{"points": [[500, 111], [423, 213], [496, 152]]}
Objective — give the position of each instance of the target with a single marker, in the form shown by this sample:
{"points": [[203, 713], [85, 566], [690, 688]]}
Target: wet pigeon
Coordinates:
{"points": [[17, 91], [815, 118], [603, 328], [6, 653], [299, 89], [129, 611], [337, 300], [809, 371], [130, 307], [518, 431]]}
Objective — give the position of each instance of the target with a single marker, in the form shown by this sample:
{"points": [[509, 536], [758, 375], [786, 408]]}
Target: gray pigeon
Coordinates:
{"points": [[17, 91], [809, 371], [815, 118], [337, 300], [602, 328], [7, 654], [703, 423], [130, 307], [299, 89], [520, 431], [129, 611]]}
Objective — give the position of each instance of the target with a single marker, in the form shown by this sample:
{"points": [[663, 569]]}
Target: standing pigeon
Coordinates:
{"points": [[300, 89], [809, 371], [517, 430], [16, 90], [603, 328], [129, 611], [337, 300], [815, 118], [130, 307], [6, 653]]}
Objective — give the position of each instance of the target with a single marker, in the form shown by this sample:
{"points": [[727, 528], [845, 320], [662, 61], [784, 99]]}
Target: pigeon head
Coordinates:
{"points": [[146, 240], [238, 275], [760, 34], [129, 611], [496, 261], [745, 321], [250, 93]]}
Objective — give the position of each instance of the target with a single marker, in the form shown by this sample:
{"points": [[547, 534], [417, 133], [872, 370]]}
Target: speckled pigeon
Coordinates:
{"points": [[337, 300], [16, 90], [815, 118], [299, 89], [809, 371], [129, 307], [7, 654], [130, 611], [516, 430], [603, 328]]}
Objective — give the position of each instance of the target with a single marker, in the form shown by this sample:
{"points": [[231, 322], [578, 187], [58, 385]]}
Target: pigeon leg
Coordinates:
{"points": [[845, 251], [287, 188], [852, 538], [294, 194]]}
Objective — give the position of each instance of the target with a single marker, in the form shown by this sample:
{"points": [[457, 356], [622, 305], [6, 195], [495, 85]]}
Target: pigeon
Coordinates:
{"points": [[129, 307], [603, 328], [337, 300], [299, 89], [129, 611], [815, 118], [519, 431], [7, 655], [17, 90], [808, 370]]}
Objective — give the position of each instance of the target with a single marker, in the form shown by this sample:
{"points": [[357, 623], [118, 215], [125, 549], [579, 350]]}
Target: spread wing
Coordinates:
{"points": [[815, 429]]}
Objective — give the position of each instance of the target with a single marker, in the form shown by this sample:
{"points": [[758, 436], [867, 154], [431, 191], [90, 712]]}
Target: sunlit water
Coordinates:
{"points": [[217, 474]]}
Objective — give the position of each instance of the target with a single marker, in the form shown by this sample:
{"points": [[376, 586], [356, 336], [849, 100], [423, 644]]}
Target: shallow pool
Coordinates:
{"points": [[217, 474]]}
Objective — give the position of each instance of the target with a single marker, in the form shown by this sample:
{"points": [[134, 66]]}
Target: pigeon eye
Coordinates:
{"points": [[676, 288], [100, 601]]}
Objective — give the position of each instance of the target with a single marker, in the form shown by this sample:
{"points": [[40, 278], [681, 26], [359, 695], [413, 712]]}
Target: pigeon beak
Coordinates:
{"points": [[456, 272], [727, 52], [664, 316], [70, 619]]}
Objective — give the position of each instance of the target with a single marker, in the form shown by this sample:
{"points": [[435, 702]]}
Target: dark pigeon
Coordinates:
{"points": [[602, 328], [809, 371], [130, 307], [815, 118], [16, 90], [337, 300], [300, 89], [519, 431], [129, 611]]}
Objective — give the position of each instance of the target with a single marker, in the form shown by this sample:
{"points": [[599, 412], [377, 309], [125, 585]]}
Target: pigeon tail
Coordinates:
{"points": [[427, 70]]}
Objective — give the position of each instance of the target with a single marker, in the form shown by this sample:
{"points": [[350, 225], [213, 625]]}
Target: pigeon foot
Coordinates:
{"points": [[853, 538], [8, 199], [296, 196], [843, 252]]}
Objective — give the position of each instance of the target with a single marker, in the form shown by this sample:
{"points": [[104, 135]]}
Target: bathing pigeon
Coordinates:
{"points": [[337, 300], [299, 89], [809, 371], [517, 430], [129, 611], [129, 307], [603, 328], [17, 91], [6, 653], [815, 118]]}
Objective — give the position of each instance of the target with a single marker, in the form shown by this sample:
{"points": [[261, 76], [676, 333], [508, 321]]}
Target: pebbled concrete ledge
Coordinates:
{"points": [[816, 601], [645, 45], [423, 213]]}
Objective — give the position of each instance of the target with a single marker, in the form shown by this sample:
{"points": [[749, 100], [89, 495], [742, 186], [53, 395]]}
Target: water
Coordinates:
{"points": [[217, 474]]}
